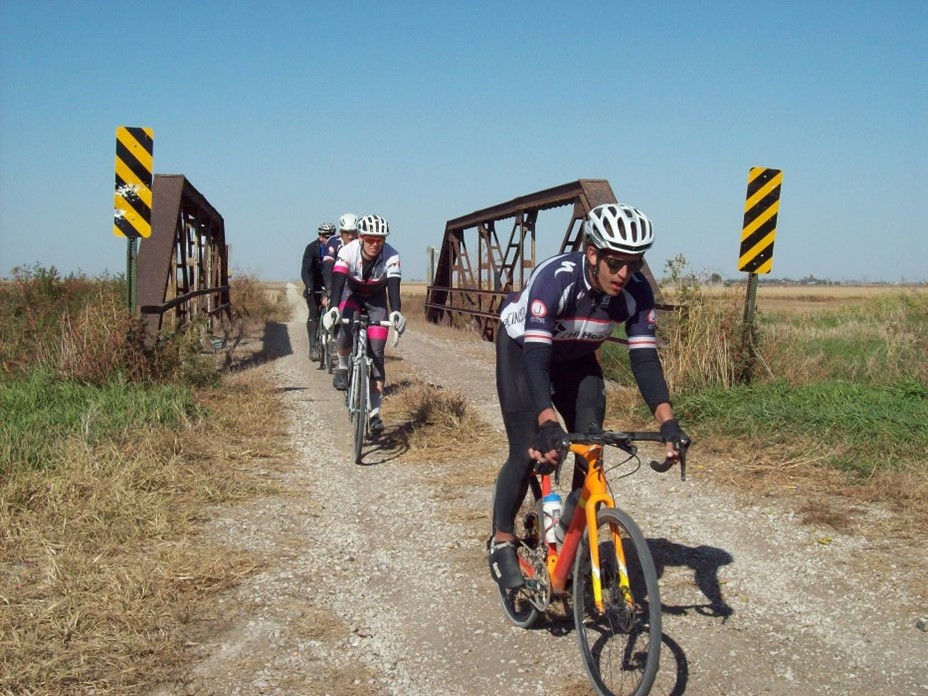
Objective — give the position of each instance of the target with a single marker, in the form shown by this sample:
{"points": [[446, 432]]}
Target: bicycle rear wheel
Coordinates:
{"points": [[362, 394], [621, 645], [517, 602]]}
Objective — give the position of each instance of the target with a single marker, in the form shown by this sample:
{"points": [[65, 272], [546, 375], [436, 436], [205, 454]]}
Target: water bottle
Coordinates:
{"points": [[566, 515], [551, 507]]}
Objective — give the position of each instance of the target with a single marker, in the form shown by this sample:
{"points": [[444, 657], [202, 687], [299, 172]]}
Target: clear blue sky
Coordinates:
{"points": [[287, 114]]}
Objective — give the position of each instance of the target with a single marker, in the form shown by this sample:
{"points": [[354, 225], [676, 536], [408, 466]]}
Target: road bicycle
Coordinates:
{"points": [[602, 561], [326, 342], [358, 397]]}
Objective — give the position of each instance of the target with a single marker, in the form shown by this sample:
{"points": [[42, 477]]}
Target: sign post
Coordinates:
{"points": [[758, 233], [132, 199]]}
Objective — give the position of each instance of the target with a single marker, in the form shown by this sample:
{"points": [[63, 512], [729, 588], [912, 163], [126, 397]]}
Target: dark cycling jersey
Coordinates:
{"points": [[557, 317], [311, 268], [557, 307], [330, 253]]}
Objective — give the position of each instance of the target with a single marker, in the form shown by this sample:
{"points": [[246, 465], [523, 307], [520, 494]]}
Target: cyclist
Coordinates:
{"points": [[314, 283], [347, 231], [546, 358], [366, 276]]}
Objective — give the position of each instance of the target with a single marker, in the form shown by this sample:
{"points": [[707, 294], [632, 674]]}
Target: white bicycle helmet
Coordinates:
{"points": [[373, 226], [348, 223], [326, 228], [620, 228]]}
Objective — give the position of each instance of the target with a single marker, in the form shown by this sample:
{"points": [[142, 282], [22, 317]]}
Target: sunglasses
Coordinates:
{"points": [[371, 239], [616, 264]]}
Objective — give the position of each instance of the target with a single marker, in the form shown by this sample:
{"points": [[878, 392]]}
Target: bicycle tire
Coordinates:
{"points": [[350, 393], [323, 343], [621, 648], [361, 407], [516, 603], [331, 355]]}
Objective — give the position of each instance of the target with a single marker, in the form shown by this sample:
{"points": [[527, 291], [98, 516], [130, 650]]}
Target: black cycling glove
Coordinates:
{"points": [[549, 436], [672, 432]]}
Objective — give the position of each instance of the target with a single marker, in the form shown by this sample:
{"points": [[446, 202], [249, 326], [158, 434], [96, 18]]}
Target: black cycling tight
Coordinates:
{"points": [[578, 394]]}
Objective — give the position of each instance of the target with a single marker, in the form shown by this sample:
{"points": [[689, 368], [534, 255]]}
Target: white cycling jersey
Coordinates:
{"points": [[366, 279]]}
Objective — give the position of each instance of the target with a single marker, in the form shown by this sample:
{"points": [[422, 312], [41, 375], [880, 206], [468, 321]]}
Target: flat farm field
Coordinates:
{"points": [[793, 299]]}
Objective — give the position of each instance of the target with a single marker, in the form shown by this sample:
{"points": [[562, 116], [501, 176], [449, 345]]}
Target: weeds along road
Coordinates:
{"points": [[376, 581]]}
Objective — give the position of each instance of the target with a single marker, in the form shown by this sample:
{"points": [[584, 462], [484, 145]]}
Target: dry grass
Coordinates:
{"points": [[436, 422], [103, 578], [799, 299]]}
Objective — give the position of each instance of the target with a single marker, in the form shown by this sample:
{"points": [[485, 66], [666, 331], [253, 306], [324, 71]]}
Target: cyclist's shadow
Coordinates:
{"points": [[391, 444], [705, 562]]}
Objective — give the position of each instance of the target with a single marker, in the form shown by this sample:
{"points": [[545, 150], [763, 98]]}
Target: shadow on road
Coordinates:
{"points": [[391, 444], [682, 672], [705, 562], [275, 344]]}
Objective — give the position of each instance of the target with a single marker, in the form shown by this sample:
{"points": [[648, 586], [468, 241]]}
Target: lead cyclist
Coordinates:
{"points": [[546, 362], [366, 275]]}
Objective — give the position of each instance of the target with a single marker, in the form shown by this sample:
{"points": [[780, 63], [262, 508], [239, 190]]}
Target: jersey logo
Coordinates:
{"points": [[539, 309], [652, 317], [566, 267]]}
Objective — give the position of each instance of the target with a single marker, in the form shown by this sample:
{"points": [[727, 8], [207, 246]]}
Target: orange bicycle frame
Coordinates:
{"points": [[594, 495]]}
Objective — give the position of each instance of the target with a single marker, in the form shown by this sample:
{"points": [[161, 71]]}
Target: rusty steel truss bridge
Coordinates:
{"points": [[489, 253], [183, 267]]}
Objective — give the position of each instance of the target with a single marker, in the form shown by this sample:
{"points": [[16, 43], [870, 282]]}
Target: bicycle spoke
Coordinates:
{"points": [[621, 643]]}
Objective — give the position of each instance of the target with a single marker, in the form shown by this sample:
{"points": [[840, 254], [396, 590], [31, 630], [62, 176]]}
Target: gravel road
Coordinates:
{"points": [[376, 581]]}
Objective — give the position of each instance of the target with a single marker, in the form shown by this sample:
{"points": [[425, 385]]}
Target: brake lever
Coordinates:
{"points": [[665, 466]]}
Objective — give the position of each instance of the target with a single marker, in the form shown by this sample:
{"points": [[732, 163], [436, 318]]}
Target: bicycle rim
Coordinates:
{"points": [[517, 602], [361, 404], [621, 645]]}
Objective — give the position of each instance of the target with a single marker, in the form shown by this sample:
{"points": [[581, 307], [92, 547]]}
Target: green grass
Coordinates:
{"points": [[37, 411], [884, 340], [858, 427], [844, 386]]}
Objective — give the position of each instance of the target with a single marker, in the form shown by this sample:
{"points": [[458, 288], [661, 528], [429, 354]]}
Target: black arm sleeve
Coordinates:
{"points": [[338, 285], [306, 271], [393, 294], [537, 361], [649, 374]]}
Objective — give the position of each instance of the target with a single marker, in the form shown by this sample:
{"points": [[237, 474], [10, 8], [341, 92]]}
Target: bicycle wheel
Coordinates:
{"points": [[621, 645], [362, 395], [331, 356], [517, 603], [322, 338]]}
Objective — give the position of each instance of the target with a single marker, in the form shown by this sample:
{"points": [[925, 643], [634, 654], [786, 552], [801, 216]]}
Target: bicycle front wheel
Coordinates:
{"points": [[621, 644], [362, 395]]}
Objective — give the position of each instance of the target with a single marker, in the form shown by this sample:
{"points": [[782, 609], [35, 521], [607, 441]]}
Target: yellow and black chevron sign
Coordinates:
{"points": [[132, 201], [760, 220]]}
